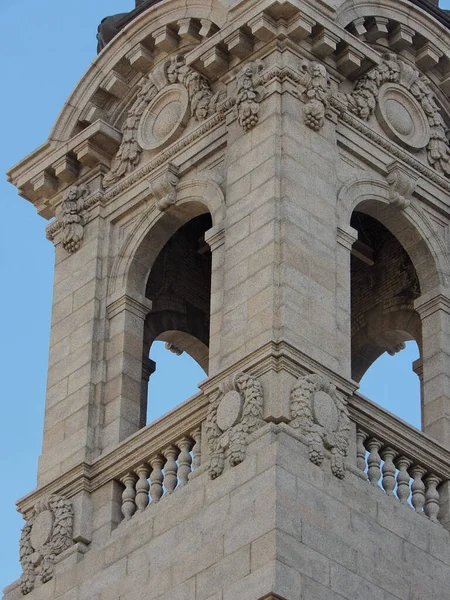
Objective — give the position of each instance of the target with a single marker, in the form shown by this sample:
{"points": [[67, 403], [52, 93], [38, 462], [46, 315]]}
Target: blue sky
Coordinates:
{"points": [[45, 48]]}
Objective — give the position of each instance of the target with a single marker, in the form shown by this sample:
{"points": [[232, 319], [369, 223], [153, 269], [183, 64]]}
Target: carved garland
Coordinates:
{"points": [[46, 534], [363, 102], [317, 93], [202, 102], [233, 415], [249, 94], [321, 415]]}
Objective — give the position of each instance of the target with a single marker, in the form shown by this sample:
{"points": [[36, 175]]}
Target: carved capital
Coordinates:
{"points": [[46, 534], [321, 415], [235, 412], [249, 94], [402, 183], [164, 186]]}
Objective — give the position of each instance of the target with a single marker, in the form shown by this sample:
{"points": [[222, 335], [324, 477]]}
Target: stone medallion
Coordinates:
{"points": [[325, 411], [229, 410], [165, 118], [42, 529], [401, 117]]}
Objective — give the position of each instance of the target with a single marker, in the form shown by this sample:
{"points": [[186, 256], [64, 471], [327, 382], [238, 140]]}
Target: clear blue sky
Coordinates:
{"points": [[45, 48]]}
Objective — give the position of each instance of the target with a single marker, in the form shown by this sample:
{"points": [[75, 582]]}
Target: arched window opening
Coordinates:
{"points": [[175, 379], [179, 287], [384, 285], [392, 382]]}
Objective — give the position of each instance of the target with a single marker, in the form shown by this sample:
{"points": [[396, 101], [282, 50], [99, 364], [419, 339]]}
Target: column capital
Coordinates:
{"points": [[433, 301], [215, 237], [347, 237], [139, 306]]}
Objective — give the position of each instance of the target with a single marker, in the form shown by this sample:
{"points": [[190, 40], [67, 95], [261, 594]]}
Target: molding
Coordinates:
{"points": [[139, 308], [432, 302]]}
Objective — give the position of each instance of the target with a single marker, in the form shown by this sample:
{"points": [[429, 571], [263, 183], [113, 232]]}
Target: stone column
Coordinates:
{"points": [[345, 240], [215, 238], [434, 310], [122, 402], [417, 367], [148, 368]]}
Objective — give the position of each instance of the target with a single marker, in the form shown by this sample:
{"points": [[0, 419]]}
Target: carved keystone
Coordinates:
{"points": [[163, 187], [402, 183]]}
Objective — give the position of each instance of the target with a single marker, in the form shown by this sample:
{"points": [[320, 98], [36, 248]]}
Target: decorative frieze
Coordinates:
{"points": [[249, 94], [321, 415], [235, 412], [46, 534]]}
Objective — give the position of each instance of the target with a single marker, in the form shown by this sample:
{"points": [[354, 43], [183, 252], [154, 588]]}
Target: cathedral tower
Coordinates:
{"points": [[263, 185]]}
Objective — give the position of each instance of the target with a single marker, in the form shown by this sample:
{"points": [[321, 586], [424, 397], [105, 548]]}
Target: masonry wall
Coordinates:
{"points": [[274, 524]]}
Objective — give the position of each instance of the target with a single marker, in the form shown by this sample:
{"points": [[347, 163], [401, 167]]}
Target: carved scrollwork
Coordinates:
{"points": [[317, 93], [321, 415], [71, 219], [405, 122], [203, 101], [46, 534], [235, 412], [249, 94], [129, 153]]}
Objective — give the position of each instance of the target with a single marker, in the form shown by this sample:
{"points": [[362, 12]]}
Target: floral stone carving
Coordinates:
{"points": [[71, 220], [234, 413], [46, 534], [316, 94], [249, 93], [321, 415], [406, 108], [158, 115]]}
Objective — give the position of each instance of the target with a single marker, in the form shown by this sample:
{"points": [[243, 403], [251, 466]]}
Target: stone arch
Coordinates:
{"points": [[410, 227], [196, 195]]}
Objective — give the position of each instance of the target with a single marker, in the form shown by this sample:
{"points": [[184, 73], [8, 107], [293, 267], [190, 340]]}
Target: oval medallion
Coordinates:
{"points": [[325, 411], [165, 118], [229, 410], [401, 117], [42, 529]]}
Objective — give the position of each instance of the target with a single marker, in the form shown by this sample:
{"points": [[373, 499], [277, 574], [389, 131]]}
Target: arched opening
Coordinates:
{"points": [[179, 288], [384, 286]]}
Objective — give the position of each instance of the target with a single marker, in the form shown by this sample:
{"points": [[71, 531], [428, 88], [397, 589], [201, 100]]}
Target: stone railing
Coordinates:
{"points": [[401, 460]]}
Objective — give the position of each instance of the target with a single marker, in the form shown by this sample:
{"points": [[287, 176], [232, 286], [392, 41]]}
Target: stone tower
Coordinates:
{"points": [[264, 185]]}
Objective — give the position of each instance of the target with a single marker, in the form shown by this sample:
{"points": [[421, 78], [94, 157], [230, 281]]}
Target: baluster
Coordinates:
{"points": [[156, 478], [196, 435], [418, 488], [432, 497], [374, 460], [170, 468], [184, 459], [388, 470], [361, 462], [403, 479], [142, 487], [128, 496]]}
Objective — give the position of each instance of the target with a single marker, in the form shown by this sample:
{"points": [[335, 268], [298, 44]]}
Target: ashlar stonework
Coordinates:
{"points": [[263, 186]]}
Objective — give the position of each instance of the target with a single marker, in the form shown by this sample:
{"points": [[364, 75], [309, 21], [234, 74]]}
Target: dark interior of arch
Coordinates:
{"points": [[179, 286], [384, 285]]}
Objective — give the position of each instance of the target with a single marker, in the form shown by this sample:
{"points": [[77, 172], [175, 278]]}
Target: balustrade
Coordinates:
{"points": [[399, 476], [162, 473]]}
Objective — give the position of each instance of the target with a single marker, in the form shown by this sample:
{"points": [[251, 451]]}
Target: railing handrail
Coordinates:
{"points": [[408, 440], [149, 440]]}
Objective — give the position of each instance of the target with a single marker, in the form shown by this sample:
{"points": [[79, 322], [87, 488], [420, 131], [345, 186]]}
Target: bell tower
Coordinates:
{"points": [[263, 185]]}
